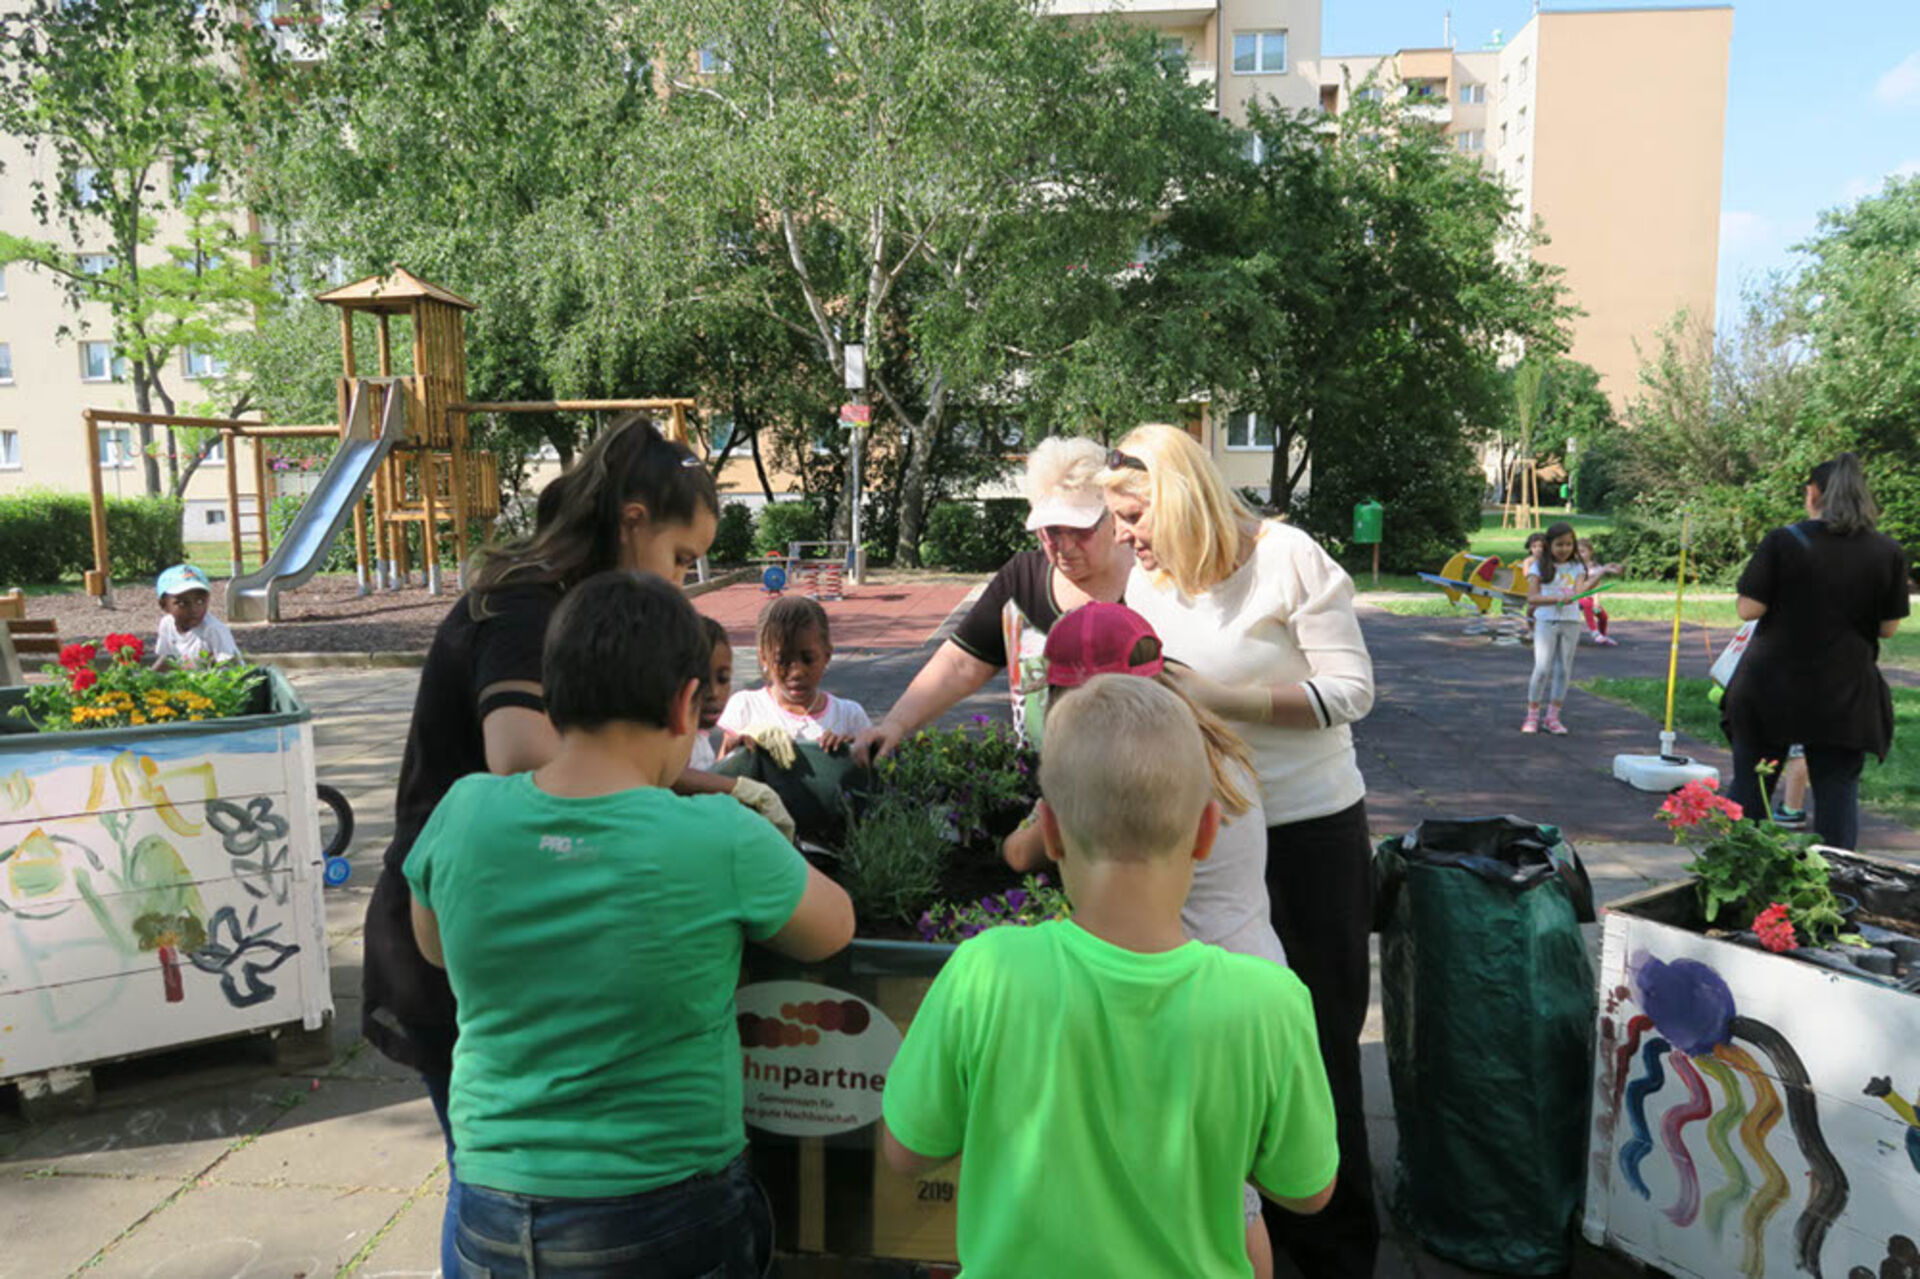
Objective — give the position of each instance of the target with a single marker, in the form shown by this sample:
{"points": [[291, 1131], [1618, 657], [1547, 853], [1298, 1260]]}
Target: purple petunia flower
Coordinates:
{"points": [[1016, 899], [992, 905], [971, 930], [1040, 880], [983, 719]]}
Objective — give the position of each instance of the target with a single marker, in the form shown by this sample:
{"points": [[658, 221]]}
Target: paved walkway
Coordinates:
{"points": [[873, 618], [210, 1164]]}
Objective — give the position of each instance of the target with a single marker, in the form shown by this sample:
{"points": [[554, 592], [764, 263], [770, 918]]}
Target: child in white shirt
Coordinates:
{"points": [[714, 700], [190, 635], [795, 644]]}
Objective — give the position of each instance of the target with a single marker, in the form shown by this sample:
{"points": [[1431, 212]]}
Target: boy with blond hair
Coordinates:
{"points": [[1111, 1083]]}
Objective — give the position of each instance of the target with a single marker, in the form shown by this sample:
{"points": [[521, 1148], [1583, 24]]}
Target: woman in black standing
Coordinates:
{"points": [[633, 499], [1825, 591]]}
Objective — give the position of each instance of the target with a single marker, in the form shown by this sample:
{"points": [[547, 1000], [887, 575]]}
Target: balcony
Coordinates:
{"points": [[1432, 110], [1207, 76]]}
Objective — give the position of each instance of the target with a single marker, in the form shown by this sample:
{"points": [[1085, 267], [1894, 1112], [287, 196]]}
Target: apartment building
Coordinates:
{"points": [[1609, 125]]}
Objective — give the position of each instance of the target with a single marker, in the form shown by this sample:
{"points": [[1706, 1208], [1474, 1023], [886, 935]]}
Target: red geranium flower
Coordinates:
{"points": [[84, 678], [75, 656], [1775, 929], [127, 648], [1694, 802]]}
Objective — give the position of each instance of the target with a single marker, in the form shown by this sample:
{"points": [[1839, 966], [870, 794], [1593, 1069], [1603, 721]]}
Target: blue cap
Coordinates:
{"points": [[182, 578]]}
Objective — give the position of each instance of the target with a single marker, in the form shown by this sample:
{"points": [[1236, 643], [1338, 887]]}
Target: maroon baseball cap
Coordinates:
{"points": [[1101, 639]]}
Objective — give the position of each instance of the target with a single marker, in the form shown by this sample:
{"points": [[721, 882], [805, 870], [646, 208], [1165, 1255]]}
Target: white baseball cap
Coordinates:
{"points": [[1066, 510]]}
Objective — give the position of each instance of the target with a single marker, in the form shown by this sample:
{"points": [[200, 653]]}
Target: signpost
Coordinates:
{"points": [[856, 417]]}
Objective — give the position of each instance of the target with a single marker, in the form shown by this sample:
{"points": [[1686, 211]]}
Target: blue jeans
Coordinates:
{"points": [[716, 1226], [449, 1256]]}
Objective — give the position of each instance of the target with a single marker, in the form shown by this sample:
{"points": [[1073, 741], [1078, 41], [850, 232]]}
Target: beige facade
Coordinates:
{"points": [[1609, 126]]}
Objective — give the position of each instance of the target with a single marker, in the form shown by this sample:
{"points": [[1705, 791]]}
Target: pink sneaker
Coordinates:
{"points": [[1531, 724], [1605, 641], [1553, 724]]}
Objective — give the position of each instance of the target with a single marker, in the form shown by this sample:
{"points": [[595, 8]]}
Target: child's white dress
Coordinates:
{"points": [[210, 641], [754, 708]]}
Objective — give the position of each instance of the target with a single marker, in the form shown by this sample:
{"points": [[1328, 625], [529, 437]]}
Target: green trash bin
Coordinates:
{"points": [[1369, 522], [1488, 996]]}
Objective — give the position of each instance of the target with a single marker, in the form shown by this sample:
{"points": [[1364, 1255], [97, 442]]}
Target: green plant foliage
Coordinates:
{"points": [[1745, 867], [894, 855], [784, 522], [45, 537], [971, 781], [975, 537], [1036, 901], [124, 692], [733, 540]]}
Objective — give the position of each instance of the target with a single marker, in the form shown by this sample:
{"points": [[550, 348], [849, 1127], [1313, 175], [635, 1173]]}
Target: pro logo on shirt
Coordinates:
{"points": [[566, 848]]}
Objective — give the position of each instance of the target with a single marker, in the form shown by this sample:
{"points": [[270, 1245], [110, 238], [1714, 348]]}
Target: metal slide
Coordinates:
{"points": [[255, 596]]}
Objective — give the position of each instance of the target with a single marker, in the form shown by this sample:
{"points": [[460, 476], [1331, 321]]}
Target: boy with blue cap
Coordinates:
{"points": [[190, 635]]}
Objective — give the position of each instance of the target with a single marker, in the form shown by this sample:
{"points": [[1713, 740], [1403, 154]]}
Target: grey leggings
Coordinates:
{"points": [[1554, 644]]}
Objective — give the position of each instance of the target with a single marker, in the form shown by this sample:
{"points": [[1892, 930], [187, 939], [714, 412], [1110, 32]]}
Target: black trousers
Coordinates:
{"points": [[1320, 877], [1833, 775]]}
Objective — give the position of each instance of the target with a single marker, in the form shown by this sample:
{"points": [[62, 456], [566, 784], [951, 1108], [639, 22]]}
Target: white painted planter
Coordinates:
{"points": [[158, 886], [1751, 1112]]}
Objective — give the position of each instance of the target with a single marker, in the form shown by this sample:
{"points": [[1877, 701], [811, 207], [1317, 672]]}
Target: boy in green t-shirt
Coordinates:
{"points": [[1111, 1083], [591, 924]]}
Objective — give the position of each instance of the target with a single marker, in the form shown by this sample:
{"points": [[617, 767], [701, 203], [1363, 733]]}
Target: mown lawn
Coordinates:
{"points": [[1892, 788], [1509, 545]]}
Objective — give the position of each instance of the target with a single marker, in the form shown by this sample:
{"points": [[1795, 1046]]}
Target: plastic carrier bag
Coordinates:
{"points": [[1488, 1000], [819, 790]]}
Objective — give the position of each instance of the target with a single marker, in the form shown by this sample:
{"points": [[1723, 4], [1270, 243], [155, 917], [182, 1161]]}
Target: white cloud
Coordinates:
{"points": [[1901, 86], [1741, 230], [1860, 188]]}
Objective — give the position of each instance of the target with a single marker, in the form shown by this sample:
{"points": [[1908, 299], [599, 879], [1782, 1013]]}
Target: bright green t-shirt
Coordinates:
{"points": [[593, 946], [1109, 1105]]}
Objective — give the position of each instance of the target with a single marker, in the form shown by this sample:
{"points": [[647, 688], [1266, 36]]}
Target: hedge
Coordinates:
{"points": [[341, 555], [975, 537], [45, 537], [784, 522], [733, 540]]}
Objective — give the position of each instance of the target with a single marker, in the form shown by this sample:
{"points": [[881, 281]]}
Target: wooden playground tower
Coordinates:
{"points": [[428, 474], [434, 474]]}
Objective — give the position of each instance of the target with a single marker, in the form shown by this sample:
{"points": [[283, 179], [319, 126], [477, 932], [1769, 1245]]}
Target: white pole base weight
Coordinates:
{"points": [[1662, 773]]}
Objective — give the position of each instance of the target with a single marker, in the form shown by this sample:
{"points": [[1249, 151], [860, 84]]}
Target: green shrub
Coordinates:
{"points": [[144, 536], [45, 537], [784, 522], [975, 537], [1727, 524], [340, 556], [733, 541]]}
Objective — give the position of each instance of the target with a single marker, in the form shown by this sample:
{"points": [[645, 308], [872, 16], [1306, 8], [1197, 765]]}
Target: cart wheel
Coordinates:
{"points": [[338, 871], [335, 844], [774, 580]]}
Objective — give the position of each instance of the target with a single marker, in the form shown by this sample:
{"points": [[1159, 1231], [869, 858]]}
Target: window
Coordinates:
{"points": [[3, 281], [1521, 126], [1172, 52], [9, 450], [199, 362], [1473, 95], [1372, 93], [98, 363], [190, 177], [719, 434], [94, 263], [215, 515], [1248, 431], [711, 63], [86, 186], [216, 452], [1471, 140], [1254, 148], [6, 364], [1522, 76], [1503, 133], [1259, 52], [116, 447]]}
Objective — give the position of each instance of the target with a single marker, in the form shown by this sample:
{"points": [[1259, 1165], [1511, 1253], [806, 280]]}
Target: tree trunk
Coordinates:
{"points": [[913, 487], [759, 465], [149, 465]]}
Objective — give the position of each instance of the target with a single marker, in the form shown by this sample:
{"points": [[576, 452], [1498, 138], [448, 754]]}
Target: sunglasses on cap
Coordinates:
{"points": [[1118, 461]]}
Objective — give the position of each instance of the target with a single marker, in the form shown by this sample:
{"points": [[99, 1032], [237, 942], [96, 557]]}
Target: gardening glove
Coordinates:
{"points": [[776, 741], [764, 800]]}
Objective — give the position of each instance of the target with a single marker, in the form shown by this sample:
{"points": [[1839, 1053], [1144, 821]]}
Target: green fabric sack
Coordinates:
{"points": [[1488, 1000], [818, 790]]}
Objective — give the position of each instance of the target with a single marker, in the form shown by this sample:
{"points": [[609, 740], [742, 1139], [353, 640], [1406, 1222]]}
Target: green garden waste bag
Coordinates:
{"points": [[1488, 999], [818, 790]]}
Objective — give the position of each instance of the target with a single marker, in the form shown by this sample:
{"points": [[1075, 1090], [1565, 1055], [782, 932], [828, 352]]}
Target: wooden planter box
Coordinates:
{"points": [[159, 886], [813, 1106], [1751, 1111]]}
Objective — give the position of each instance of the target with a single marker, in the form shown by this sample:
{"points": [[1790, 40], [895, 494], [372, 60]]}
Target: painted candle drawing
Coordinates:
{"points": [[1731, 1133], [158, 886]]}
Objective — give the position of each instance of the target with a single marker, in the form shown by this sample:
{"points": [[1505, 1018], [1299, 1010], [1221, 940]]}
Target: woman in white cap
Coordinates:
{"points": [[1078, 561]]}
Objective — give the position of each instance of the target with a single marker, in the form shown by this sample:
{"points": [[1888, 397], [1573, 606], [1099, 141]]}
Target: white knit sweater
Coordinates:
{"points": [[1284, 617]]}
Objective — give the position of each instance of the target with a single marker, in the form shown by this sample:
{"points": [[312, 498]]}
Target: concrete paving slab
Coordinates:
{"points": [[377, 1134], [217, 1231], [410, 1248], [52, 1224], [168, 1134]]}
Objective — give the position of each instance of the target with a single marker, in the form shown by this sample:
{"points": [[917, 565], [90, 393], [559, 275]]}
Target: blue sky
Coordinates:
{"points": [[1823, 103]]}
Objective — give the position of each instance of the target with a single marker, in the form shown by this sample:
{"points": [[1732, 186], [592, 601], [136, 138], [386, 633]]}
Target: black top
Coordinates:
{"points": [[409, 1012], [1027, 580], [1812, 673]]}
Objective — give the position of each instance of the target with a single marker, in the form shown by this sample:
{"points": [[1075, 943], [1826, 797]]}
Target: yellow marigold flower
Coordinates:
{"points": [[196, 717], [79, 715], [138, 718]]}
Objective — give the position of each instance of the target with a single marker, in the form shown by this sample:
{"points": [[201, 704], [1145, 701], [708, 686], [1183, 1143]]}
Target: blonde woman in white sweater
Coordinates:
{"points": [[1263, 621]]}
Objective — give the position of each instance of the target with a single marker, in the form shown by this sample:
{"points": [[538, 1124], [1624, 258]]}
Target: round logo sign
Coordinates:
{"points": [[815, 1058]]}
